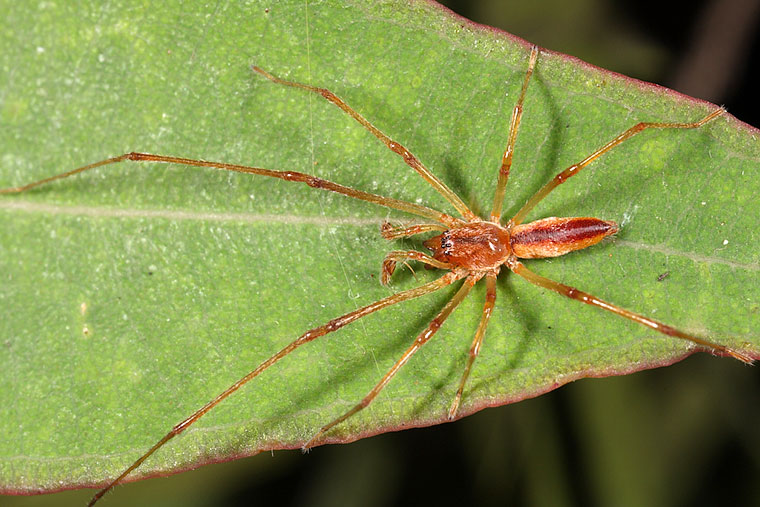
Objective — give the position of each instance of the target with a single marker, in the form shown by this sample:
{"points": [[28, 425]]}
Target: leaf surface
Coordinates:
{"points": [[134, 294]]}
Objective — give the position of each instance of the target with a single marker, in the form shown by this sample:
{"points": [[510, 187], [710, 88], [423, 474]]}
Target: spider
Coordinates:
{"points": [[469, 248]]}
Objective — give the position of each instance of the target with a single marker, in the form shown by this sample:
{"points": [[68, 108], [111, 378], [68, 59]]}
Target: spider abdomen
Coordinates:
{"points": [[552, 237]]}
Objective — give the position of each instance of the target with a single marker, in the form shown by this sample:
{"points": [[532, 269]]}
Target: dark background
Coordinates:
{"points": [[682, 435]]}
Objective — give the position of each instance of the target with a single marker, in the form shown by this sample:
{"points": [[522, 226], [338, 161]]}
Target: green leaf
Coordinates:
{"points": [[134, 294]]}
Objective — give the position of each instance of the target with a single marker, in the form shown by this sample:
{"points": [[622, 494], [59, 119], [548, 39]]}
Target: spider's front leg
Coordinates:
{"points": [[390, 232], [396, 256]]}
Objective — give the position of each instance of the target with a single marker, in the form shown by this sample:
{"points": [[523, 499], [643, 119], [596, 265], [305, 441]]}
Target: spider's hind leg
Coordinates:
{"points": [[584, 297]]}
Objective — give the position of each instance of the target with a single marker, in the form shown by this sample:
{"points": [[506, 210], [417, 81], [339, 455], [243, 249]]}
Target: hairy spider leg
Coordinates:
{"points": [[575, 168], [477, 342], [387, 231], [421, 339], [397, 148], [590, 299], [395, 256], [312, 181], [514, 126], [308, 336]]}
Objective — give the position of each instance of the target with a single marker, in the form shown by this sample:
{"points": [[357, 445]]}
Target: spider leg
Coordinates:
{"points": [[389, 232], [589, 299], [308, 336], [477, 341], [423, 337], [575, 168], [397, 148], [389, 263], [514, 125], [312, 181]]}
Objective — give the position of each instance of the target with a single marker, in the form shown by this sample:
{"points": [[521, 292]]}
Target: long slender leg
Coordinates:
{"points": [[477, 341], [389, 263], [397, 148], [308, 336], [514, 125], [589, 299], [312, 181], [387, 231], [423, 337], [575, 168]]}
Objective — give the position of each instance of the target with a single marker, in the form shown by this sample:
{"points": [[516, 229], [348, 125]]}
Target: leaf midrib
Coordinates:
{"points": [[183, 215], [323, 221]]}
